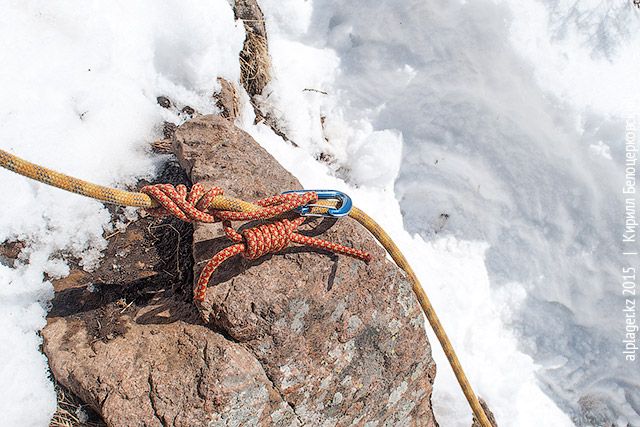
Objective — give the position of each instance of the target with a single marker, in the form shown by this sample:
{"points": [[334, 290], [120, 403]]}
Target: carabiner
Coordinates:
{"points": [[342, 209]]}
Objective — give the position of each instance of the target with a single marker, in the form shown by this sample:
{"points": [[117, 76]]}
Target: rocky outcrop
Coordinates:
{"points": [[303, 337]]}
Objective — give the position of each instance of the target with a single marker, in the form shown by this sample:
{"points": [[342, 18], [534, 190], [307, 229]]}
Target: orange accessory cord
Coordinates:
{"points": [[253, 242]]}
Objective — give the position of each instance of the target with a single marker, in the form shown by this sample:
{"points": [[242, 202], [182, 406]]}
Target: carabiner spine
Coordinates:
{"points": [[342, 210]]}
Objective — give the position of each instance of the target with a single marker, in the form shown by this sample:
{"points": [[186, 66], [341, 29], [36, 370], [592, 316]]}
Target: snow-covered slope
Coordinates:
{"points": [[512, 117], [486, 136]]}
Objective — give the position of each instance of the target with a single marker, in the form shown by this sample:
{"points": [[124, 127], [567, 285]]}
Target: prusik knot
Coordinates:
{"points": [[265, 238], [189, 206], [254, 242]]}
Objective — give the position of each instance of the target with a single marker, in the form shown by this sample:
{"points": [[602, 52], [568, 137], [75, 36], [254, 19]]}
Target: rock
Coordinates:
{"points": [[301, 337], [227, 99], [321, 325], [168, 129], [487, 411], [164, 102], [10, 251], [174, 374], [189, 111], [161, 146]]}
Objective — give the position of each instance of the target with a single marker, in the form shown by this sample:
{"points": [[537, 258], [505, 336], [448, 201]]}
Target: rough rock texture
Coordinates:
{"points": [[255, 63], [487, 411], [299, 338], [227, 99], [292, 308], [9, 252]]}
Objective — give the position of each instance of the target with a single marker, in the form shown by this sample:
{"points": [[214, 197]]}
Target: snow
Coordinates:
{"points": [[584, 52], [486, 137], [511, 120], [79, 82]]}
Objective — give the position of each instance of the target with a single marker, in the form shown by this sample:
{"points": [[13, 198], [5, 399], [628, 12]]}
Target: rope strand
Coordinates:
{"points": [[225, 203]]}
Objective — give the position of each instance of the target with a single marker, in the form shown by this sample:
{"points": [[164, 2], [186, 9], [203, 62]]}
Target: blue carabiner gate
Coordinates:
{"points": [[342, 209]]}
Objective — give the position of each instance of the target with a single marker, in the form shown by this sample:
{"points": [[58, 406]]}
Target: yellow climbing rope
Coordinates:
{"points": [[141, 200]]}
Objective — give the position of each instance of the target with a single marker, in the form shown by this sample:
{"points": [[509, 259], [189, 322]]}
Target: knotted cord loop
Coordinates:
{"points": [[265, 238], [253, 242], [189, 206]]}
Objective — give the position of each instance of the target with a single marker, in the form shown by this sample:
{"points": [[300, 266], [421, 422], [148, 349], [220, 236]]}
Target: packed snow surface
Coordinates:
{"points": [[487, 137]]}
